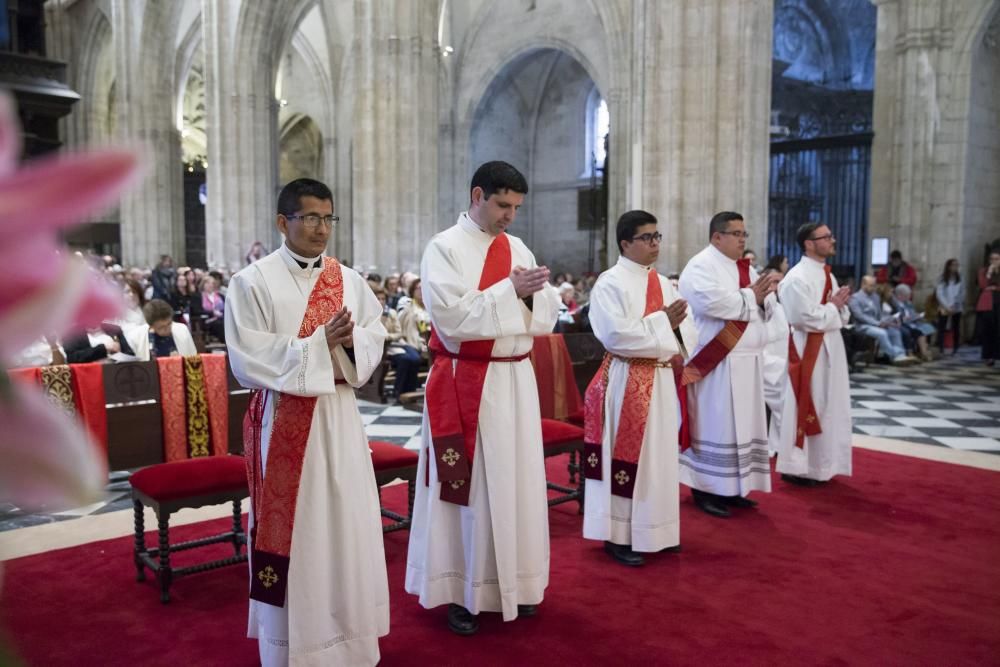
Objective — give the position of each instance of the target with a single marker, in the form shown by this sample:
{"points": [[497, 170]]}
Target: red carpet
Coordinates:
{"points": [[897, 565]]}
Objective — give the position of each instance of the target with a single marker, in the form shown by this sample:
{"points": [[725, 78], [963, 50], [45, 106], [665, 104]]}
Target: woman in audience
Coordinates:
{"points": [[210, 308], [183, 292], [405, 359], [777, 263], [160, 336], [135, 299], [950, 292], [915, 327], [415, 320], [988, 308]]}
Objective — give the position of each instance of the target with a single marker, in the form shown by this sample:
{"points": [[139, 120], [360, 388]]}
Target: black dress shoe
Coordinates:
{"points": [[623, 554], [676, 549], [709, 503], [460, 621], [739, 501], [799, 481], [527, 610]]}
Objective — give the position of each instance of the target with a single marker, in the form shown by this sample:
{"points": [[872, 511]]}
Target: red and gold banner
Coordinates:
{"points": [[558, 396]]}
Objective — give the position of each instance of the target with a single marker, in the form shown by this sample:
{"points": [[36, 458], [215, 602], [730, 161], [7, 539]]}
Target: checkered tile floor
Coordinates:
{"points": [[952, 402]]}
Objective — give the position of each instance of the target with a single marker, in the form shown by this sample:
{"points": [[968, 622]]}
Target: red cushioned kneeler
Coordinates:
{"points": [[392, 462], [169, 487]]}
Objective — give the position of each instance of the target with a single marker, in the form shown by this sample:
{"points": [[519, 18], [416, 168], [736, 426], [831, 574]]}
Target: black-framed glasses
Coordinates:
{"points": [[311, 220], [737, 234], [649, 237], [824, 237]]}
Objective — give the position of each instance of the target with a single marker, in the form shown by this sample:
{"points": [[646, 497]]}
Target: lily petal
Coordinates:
{"points": [[50, 462]]}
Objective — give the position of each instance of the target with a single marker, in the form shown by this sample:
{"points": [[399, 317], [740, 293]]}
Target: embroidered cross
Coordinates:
{"points": [[267, 577], [451, 457], [592, 460], [622, 477], [457, 484], [810, 419]]}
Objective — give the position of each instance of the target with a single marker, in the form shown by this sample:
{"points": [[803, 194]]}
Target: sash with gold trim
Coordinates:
{"points": [[454, 391], [800, 372], [274, 496], [628, 439], [194, 400]]}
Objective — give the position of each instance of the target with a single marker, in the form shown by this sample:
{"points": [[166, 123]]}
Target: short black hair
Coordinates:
{"points": [[775, 262], [290, 199], [805, 233], [498, 175], [720, 222], [157, 310], [748, 251], [895, 254], [631, 221]]}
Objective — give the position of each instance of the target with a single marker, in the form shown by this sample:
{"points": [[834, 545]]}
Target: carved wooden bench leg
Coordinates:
{"points": [[411, 492], [237, 527], [164, 575], [140, 541]]}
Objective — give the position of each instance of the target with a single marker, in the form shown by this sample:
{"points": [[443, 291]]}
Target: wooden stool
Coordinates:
{"points": [[395, 462], [169, 487]]}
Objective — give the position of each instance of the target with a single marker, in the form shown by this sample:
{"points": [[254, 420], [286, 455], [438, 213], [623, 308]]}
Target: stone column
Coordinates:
{"points": [[698, 105], [395, 134], [242, 129], [151, 213], [923, 81]]}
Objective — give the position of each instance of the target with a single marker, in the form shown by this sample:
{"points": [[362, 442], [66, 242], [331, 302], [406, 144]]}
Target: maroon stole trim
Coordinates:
{"points": [[454, 391], [274, 496]]}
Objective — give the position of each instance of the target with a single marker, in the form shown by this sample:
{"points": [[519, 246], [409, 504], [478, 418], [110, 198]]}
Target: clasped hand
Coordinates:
{"points": [[766, 284], [676, 312], [340, 329], [840, 297], [528, 281]]}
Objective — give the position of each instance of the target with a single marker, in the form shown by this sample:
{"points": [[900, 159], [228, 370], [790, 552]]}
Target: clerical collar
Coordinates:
{"points": [[466, 222], [814, 261], [304, 262], [632, 265], [721, 255]]}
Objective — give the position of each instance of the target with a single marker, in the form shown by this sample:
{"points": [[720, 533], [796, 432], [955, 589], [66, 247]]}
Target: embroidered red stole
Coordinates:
{"points": [[716, 350], [627, 444], [274, 495], [800, 372], [194, 401], [78, 389], [453, 395]]}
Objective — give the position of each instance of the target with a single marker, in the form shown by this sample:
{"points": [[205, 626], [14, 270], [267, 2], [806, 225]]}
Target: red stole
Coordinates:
{"points": [[274, 496], [627, 444], [453, 395], [800, 372], [716, 350]]}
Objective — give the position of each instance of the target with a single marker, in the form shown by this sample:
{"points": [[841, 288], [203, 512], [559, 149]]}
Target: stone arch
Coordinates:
{"points": [[187, 51], [830, 33], [301, 148], [96, 76]]}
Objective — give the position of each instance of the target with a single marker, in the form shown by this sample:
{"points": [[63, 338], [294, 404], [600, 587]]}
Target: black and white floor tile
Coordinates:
{"points": [[953, 402]]}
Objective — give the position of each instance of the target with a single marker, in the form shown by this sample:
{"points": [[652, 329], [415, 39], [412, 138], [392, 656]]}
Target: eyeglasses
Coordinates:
{"points": [[311, 220], [821, 238], [649, 237], [737, 234]]}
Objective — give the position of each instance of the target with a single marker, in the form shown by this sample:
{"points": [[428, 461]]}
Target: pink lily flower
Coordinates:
{"points": [[49, 460]]}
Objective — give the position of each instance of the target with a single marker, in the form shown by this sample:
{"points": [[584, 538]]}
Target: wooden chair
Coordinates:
{"points": [[392, 462], [169, 487]]}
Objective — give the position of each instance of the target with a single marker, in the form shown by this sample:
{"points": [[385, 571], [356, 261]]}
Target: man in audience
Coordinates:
{"points": [[97, 344], [163, 278], [866, 309], [160, 336], [897, 272]]}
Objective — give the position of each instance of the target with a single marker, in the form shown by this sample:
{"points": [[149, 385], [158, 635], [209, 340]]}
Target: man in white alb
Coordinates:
{"points": [[728, 454], [815, 441], [632, 410], [479, 539], [302, 331]]}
